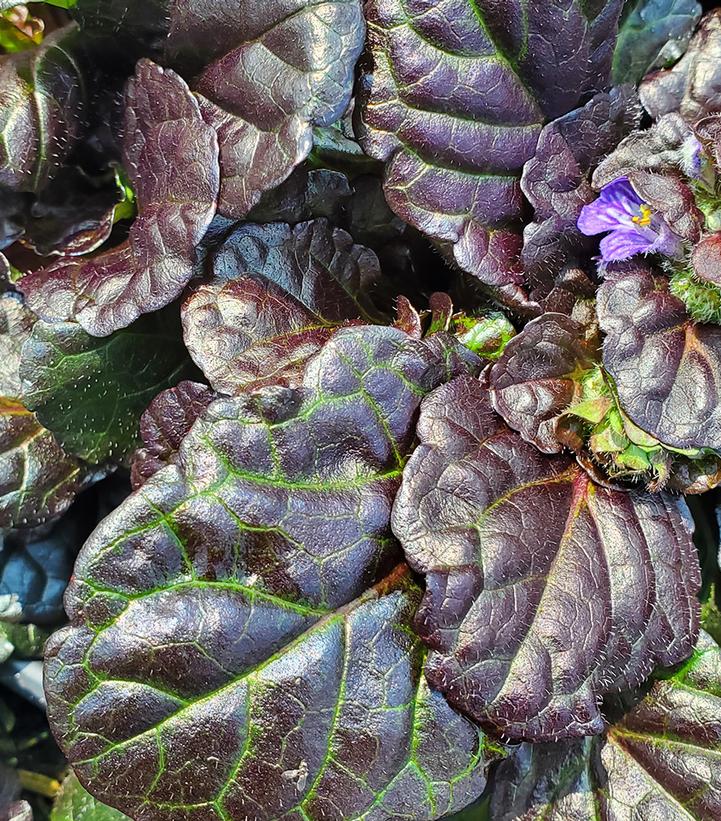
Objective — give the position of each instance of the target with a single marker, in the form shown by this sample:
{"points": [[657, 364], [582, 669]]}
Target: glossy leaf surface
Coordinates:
{"points": [[659, 761], [165, 424], [285, 683], [556, 180], [275, 296], [544, 590], [41, 111], [163, 128], [454, 100], [281, 69], [663, 363], [536, 378], [38, 480]]}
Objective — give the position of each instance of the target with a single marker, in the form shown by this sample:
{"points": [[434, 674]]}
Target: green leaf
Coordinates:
{"points": [[653, 32], [74, 803], [25, 641], [90, 391]]}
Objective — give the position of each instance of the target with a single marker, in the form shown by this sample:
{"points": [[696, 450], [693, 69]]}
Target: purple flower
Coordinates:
{"points": [[632, 226]]}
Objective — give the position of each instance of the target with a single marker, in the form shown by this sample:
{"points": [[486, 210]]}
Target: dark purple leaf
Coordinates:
{"points": [[706, 259], [16, 325], [41, 111], [556, 180], [289, 67], [275, 296], [454, 99], [38, 480], [13, 207], [536, 379], [693, 86], [544, 590], [165, 424], [550, 782], [658, 762], [562, 292], [72, 216], [163, 131], [266, 541], [660, 148], [664, 364], [306, 195]]}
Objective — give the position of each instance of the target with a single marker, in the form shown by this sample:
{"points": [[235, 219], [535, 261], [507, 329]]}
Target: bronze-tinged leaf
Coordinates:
{"points": [[164, 131], [275, 296], [544, 591]]}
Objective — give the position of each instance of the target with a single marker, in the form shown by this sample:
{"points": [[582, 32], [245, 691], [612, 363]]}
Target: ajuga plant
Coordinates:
{"points": [[371, 349]]}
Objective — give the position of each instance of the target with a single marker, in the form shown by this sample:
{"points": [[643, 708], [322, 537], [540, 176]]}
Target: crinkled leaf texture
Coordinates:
{"points": [[265, 74], [454, 98], [276, 294], [90, 392], [41, 111], [289, 67], [535, 380], [164, 133], [691, 87], [165, 424], [544, 590], [665, 365], [659, 762], [652, 31], [38, 479], [556, 180], [237, 648]]}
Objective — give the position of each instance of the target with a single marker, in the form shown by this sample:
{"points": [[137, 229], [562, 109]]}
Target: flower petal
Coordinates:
{"points": [[624, 243], [615, 207]]}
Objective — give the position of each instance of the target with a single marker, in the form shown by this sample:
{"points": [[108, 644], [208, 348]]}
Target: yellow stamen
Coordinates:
{"points": [[644, 217]]}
